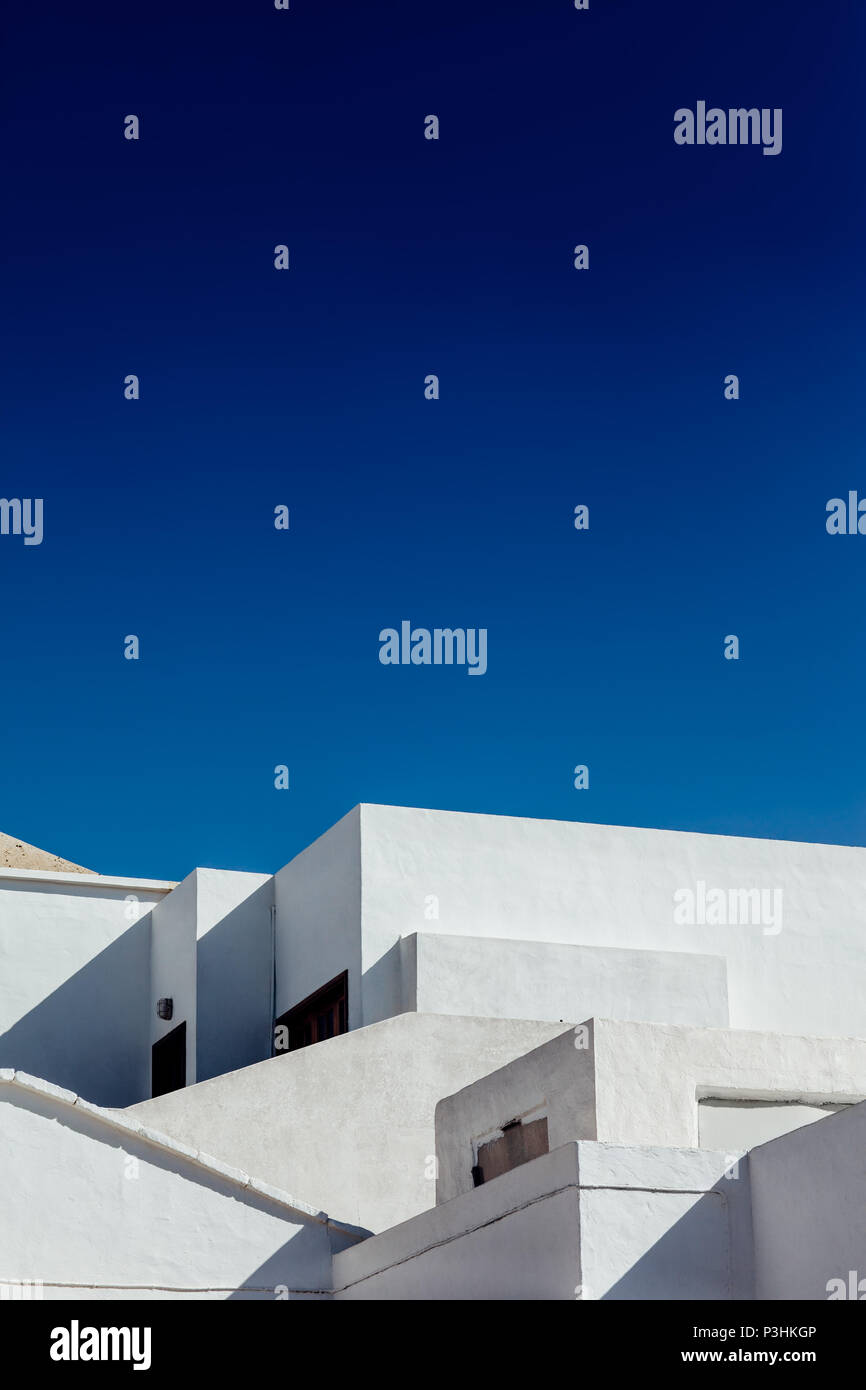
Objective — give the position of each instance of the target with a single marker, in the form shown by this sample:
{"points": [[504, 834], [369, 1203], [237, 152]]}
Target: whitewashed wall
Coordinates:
{"points": [[808, 1201], [318, 918], [120, 1215], [586, 1221], [74, 980], [496, 978], [350, 1122], [173, 972], [643, 1084], [234, 970], [609, 886]]}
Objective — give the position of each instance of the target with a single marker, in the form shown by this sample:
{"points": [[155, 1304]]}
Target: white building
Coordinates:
{"points": [[488, 1057]]}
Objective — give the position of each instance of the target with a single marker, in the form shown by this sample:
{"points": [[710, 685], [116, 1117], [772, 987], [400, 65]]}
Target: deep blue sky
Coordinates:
{"points": [[306, 388]]}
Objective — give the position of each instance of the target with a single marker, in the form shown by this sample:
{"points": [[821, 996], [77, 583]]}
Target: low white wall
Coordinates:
{"points": [[808, 1199], [495, 978], [348, 1122], [610, 886], [74, 981], [122, 1215], [586, 1221], [515, 1238]]}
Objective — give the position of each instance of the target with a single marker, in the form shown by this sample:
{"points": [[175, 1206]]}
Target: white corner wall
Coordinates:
{"points": [[664, 1223], [234, 970], [173, 974], [318, 918], [75, 952]]}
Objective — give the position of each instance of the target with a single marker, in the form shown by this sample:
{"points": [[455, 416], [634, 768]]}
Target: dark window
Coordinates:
{"points": [[517, 1144], [322, 1015], [168, 1062]]}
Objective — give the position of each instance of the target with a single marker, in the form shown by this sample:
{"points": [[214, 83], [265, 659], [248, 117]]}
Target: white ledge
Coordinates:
{"points": [[146, 885]]}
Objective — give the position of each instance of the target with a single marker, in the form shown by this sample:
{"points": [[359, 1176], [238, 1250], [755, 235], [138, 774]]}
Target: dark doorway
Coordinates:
{"points": [[168, 1062], [322, 1015]]}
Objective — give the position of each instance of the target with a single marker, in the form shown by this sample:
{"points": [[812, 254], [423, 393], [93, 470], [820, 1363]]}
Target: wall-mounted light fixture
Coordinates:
{"points": [[165, 1008]]}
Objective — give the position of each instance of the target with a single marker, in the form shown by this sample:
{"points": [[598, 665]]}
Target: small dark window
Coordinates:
{"points": [[324, 1014], [168, 1062], [518, 1143]]}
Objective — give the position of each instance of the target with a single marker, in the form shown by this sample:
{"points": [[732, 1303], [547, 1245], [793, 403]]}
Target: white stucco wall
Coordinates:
{"points": [[212, 954], [586, 1221], [318, 918], [516, 1238], [741, 1124], [643, 1084], [173, 973], [664, 1223], [552, 1080], [650, 1078], [610, 886], [122, 1214], [74, 970], [495, 978], [348, 1122], [234, 970], [808, 1200]]}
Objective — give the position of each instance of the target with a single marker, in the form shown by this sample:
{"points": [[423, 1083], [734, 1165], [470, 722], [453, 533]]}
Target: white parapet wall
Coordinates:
{"points": [[586, 1221], [350, 1121], [808, 1204], [96, 1205], [797, 968], [645, 1084], [492, 978]]}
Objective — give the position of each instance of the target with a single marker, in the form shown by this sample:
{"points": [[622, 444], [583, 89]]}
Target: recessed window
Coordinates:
{"points": [[324, 1014], [519, 1142]]}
